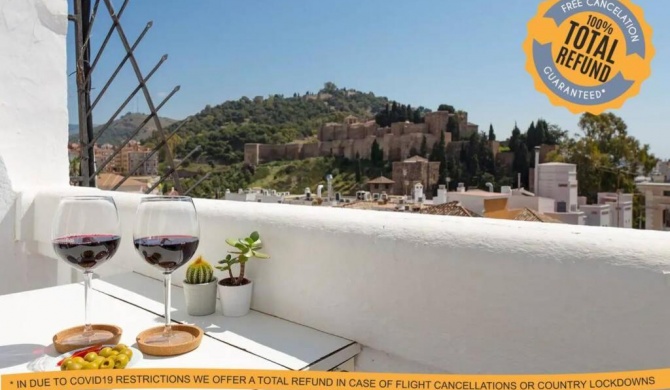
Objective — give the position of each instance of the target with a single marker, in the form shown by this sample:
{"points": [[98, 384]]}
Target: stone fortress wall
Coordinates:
{"points": [[353, 138]]}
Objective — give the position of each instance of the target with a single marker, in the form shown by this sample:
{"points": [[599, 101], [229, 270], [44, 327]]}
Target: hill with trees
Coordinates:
{"points": [[120, 129], [223, 130]]}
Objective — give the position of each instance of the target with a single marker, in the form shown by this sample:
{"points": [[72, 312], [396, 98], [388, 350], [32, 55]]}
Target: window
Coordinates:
{"points": [[666, 219], [561, 207], [666, 193], [562, 185]]}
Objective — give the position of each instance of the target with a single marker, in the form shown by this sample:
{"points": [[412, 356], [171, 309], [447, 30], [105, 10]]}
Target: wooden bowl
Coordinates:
{"points": [[173, 349], [61, 336]]}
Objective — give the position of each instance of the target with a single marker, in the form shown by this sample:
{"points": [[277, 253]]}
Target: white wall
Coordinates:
{"points": [[542, 205], [445, 294], [34, 116], [597, 215], [555, 180]]}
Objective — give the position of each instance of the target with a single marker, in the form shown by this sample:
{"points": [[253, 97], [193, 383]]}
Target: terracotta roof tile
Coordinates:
{"points": [[381, 180], [451, 209]]}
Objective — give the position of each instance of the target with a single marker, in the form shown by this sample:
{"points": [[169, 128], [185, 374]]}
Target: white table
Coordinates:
{"points": [[290, 345], [134, 302]]}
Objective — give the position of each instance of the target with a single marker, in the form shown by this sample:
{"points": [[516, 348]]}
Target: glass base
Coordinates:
{"points": [[175, 337], [95, 336]]}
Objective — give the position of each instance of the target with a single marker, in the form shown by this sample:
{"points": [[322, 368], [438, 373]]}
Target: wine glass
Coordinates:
{"points": [[85, 234], [166, 235]]}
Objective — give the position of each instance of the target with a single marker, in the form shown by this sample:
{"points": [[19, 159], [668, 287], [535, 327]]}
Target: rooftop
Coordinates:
{"points": [[523, 214], [454, 209], [381, 180], [415, 159]]}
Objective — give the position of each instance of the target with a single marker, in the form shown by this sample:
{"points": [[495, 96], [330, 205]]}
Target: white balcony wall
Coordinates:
{"points": [[33, 122], [442, 294]]}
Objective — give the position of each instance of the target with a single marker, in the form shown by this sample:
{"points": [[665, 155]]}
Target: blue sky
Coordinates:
{"points": [[422, 52]]}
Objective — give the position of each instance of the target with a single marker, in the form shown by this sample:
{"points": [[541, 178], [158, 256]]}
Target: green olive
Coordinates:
{"points": [[108, 364], [128, 352], [120, 347], [113, 353], [121, 361], [79, 360], [91, 356], [66, 361], [63, 367], [99, 359], [105, 352], [91, 366], [74, 366]]}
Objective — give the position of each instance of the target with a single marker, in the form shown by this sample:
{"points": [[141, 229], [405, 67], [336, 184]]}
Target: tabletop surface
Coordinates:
{"points": [[30, 319], [135, 302], [286, 343]]}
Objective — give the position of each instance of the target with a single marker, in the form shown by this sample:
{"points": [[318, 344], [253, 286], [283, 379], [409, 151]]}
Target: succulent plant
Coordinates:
{"points": [[247, 248], [199, 272]]}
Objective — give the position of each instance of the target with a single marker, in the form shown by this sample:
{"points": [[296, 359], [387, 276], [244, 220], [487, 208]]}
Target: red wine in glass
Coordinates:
{"points": [[86, 252], [167, 252], [85, 234], [166, 235]]}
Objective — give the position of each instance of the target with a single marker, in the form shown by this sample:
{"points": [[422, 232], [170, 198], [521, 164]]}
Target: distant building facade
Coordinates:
{"points": [[416, 169], [657, 205], [355, 138], [129, 157]]}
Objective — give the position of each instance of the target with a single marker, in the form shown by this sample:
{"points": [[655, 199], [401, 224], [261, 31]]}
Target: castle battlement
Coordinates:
{"points": [[354, 137]]}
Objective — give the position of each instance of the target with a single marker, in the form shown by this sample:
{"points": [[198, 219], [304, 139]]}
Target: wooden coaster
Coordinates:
{"points": [[172, 349], [61, 336]]}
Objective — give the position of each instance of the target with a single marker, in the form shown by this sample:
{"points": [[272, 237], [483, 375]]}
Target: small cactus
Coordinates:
{"points": [[199, 272]]}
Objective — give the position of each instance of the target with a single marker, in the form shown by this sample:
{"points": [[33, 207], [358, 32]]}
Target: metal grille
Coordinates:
{"points": [[86, 171]]}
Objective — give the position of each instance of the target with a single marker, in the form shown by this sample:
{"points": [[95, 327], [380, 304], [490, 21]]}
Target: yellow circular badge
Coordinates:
{"points": [[589, 55]]}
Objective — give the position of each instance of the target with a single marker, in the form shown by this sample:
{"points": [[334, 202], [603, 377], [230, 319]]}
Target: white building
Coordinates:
{"points": [[620, 208], [255, 195], [657, 205], [597, 214], [471, 199], [558, 181]]}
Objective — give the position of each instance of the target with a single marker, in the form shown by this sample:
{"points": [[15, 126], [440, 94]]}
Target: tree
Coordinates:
{"points": [[329, 87], [555, 135], [446, 107], [423, 152], [492, 134], [417, 117], [376, 154], [359, 172], [514, 139], [453, 128], [520, 163]]}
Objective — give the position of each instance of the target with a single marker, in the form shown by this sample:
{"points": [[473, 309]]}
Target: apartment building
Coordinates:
{"points": [[129, 157]]}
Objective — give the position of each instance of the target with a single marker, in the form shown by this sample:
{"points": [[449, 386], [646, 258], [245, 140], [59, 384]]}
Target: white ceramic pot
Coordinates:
{"points": [[235, 300], [200, 298]]}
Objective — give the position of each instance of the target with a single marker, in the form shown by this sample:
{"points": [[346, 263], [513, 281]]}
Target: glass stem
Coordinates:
{"points": [[168, 283], [88, 275]]}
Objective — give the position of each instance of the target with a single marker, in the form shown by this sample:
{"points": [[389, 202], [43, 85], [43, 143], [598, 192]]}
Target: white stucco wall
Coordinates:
{"points": [[426, 293], [33, 97], [34, 117]]}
